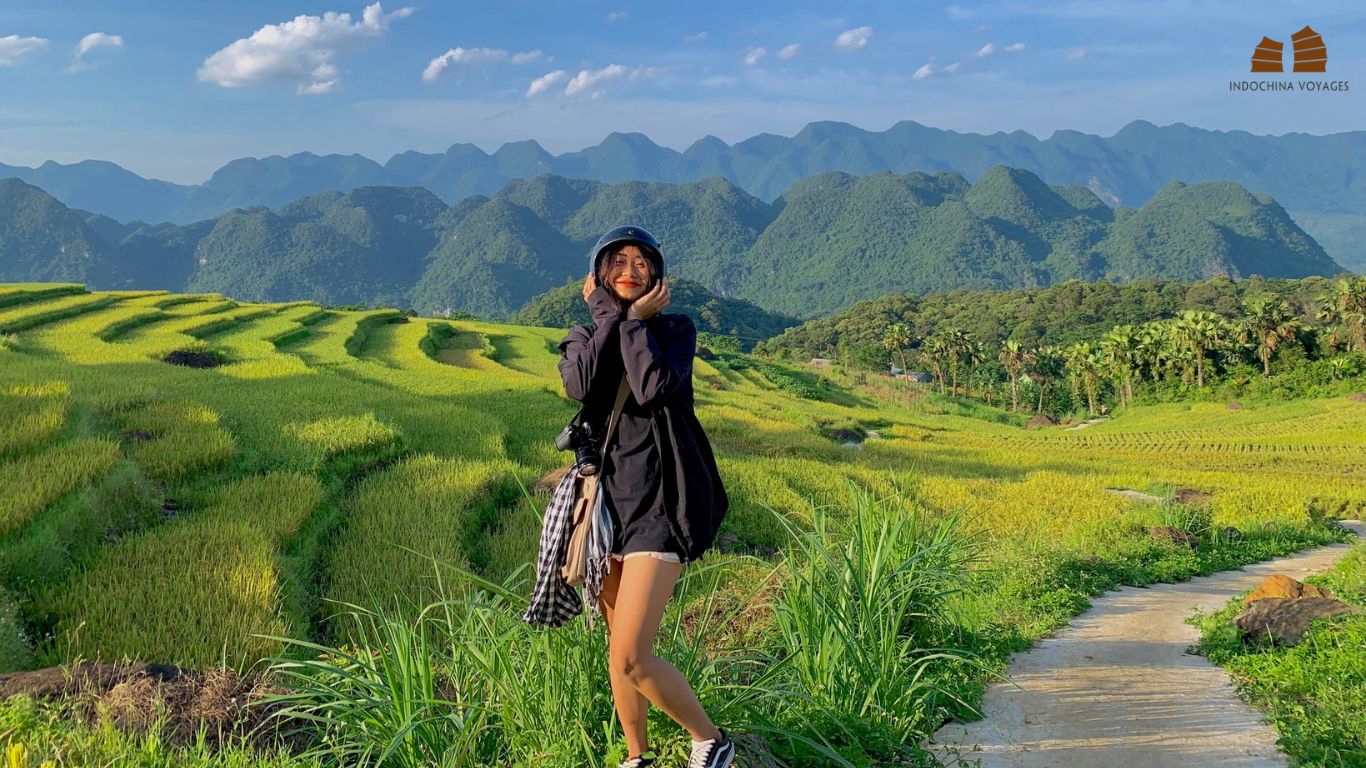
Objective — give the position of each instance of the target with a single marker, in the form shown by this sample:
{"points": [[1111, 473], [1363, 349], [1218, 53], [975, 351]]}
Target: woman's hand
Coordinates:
{"points": [[589, 283], [650, 303]]}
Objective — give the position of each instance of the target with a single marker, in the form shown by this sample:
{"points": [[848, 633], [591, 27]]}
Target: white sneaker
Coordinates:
{"points": [[713, 753]]}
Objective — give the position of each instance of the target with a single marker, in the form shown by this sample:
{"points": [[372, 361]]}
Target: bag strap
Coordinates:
{"points": [[616, 412]]}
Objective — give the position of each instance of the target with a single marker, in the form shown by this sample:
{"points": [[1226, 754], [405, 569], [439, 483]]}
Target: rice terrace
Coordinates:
{"points": [[289, 502]]}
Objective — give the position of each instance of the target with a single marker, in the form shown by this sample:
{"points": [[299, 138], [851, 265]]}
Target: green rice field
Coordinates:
{"points": [[194, 516]]}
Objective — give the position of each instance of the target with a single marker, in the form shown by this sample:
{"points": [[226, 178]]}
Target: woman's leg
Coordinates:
{"points": [[644, 587], [631, 705]]}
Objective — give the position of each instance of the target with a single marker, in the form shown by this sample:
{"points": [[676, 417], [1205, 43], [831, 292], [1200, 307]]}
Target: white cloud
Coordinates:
{"points": [[1075, 55], [457, 56], [300, 51], [789, 52], [697, 38], [1014, 47], [853, 39], [986, 50], [717, 81], [525, 56], [591, 78], [13, 49], [616, 15], [543, 83], [959, 13], [950, 69], [926, 70], [753, 55]]}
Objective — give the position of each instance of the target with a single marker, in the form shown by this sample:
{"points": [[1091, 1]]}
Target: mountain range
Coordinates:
{"points": [[828, 241], [1321, 180]]}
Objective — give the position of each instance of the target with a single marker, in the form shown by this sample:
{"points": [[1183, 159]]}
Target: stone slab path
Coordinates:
{"points": [[1117, 688]]}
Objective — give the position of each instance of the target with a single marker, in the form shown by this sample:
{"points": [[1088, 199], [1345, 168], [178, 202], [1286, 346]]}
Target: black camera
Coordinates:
{"points": [[587, 446]]}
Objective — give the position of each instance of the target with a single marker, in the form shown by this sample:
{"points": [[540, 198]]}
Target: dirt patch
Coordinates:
{"points": [[1171, 534], [1357, 397], [133, 696], [193, 359], [1235, 406], [1191, 496], [1041, 420]]}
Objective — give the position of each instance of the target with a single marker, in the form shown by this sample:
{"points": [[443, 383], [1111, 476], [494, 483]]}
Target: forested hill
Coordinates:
{"points": [[829, 241], [1060, 314]]}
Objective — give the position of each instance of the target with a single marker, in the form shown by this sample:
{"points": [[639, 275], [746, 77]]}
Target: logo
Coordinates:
{"points": [[1310, 55]]}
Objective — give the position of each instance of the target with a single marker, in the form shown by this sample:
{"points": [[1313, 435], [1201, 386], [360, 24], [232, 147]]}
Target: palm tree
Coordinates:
{"points": [[1045, 367], [1014, 358], [959, 347], [1265, 325], [1346, 308], [935, 351], [1154, 347], [1119, 351], [1196, 335], [897, 337], [1084, 367]]}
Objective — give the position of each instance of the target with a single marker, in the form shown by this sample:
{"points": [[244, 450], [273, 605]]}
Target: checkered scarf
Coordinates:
{"points": [[553, 601]]}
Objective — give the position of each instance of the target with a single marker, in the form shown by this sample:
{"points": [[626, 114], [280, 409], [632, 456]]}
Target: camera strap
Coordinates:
{"points": [[622, 391]]}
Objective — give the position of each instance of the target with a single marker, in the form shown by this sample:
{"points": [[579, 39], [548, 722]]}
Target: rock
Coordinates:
{"points": [[705, 353], [1284, 620], [1235, 406], [1229, 533], [1041, 420], [1357, 397], [1172, 534], [1279, 585], [1190, 496]]}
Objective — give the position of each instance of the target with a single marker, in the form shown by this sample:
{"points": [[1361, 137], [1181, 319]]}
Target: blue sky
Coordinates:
{"points": [[174, 89]]}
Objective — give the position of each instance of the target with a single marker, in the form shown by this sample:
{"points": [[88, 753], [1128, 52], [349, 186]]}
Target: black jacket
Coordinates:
{"points": [[656, 355]]}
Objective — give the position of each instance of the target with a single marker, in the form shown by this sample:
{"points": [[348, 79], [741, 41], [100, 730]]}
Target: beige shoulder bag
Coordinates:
{"points": [[575, 567]]}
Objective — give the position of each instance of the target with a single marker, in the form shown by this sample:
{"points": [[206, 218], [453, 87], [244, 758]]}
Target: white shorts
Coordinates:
{"points": [[668, 557]]}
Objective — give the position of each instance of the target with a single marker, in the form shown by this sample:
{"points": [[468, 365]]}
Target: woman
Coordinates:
{"points": [[659, 478]]}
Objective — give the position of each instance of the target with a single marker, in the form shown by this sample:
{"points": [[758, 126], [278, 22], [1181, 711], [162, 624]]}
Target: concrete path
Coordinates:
{"points": [[1117, 688]]}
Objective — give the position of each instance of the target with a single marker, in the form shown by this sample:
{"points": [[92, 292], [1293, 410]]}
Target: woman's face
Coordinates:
{"points": [[628, 273]]}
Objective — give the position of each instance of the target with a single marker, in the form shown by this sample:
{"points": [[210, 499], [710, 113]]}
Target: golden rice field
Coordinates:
{"points": [[176, 514]]}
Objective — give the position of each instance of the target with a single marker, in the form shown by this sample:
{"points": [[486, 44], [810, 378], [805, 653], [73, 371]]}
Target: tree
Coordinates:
{"points": [[896, 338], [1267, 321], [1047, 366], [1345, 310], [1084, 367], [935, 351], [1155, 347], [961, 349], [1196, 335], [1119, 351], [1014, 358]]}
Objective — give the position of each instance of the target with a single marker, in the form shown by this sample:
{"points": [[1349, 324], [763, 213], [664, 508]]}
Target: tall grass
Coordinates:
{"points": [[862, 599], [468, 683]]}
